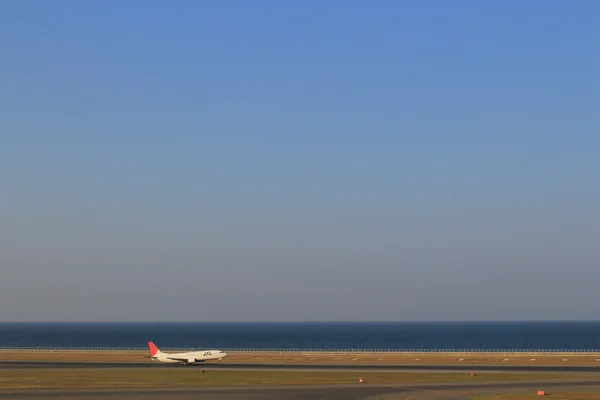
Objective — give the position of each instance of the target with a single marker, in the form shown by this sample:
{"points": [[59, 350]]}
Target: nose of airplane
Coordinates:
{"points": [[223, 354]]}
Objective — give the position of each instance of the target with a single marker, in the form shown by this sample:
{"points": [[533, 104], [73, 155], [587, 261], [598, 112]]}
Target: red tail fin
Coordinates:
{"points": [[153, 349]]}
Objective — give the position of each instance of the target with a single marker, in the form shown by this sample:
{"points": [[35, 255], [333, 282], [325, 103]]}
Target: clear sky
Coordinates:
{"points": [[310, 160]]}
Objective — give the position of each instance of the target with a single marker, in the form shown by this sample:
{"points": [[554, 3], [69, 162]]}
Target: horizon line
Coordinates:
{"points": [[299, 321]]}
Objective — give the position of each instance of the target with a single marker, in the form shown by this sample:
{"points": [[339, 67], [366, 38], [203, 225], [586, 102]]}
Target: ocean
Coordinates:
{"points": [[309, 336]]}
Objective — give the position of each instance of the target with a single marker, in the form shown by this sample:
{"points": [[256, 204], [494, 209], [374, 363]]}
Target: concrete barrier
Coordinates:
{"points": [[456, 352]]}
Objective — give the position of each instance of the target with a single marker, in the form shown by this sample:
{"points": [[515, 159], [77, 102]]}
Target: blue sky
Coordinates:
{"points": [[267, 160]]}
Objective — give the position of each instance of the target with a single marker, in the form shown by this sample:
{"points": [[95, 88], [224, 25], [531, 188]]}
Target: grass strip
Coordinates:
{"points": [[316, 358], [127, 378]]}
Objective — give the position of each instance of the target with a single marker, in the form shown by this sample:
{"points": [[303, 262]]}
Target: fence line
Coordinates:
{"points": [[280, 350]]}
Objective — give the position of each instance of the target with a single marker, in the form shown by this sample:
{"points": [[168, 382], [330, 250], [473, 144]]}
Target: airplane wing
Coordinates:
{"points": [[179, 358]]}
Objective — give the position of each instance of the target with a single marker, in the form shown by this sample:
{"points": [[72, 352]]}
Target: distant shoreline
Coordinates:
{"points": [[416, 322], [277, 352], [432, 352]]}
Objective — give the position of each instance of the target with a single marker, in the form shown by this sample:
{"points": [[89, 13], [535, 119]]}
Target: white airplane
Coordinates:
{"points": [[190, 357]]}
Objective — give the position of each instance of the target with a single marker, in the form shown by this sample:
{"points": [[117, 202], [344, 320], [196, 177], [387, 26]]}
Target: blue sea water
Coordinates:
{"points": [[351, 335]]}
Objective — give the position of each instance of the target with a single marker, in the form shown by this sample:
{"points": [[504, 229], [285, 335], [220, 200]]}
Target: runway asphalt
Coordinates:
{"points": [[400, 391], [419, 391], [305, 367]]}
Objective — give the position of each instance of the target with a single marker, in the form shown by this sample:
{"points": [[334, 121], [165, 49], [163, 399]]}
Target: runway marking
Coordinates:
{"points": [[436, 393], [328, 396]]}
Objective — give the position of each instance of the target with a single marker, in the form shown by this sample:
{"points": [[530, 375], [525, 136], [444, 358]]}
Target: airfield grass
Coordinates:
{"points": [[338, 358], [28, 378], [555, 396]]}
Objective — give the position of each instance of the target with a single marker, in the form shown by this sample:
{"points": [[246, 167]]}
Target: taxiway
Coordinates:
{"points": [[356, 392], [308, 367]]}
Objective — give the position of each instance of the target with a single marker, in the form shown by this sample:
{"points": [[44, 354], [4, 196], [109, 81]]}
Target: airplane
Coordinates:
{"points": [[185, 358]]}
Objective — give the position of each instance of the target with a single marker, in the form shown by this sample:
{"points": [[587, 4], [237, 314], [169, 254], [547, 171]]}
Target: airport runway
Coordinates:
{"points": [[388, 392], [399, 391], [309, 367]]}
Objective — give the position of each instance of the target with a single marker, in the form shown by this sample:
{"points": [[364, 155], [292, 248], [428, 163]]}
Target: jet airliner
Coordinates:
{"points": [[187, 358]]}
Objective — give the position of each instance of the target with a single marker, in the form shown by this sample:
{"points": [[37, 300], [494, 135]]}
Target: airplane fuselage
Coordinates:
{"points": [[190, 357], [186, 358]]}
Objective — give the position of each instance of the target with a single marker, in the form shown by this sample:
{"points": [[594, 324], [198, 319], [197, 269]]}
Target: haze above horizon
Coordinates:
{"points": [[339, 161]]}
